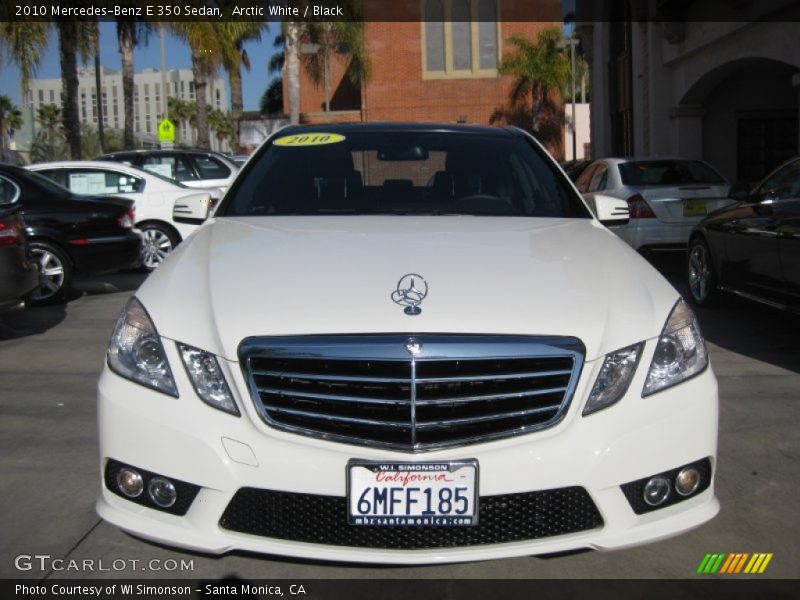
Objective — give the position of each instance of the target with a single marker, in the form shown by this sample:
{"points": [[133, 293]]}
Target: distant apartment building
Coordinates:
{"points": [[148, 99]]}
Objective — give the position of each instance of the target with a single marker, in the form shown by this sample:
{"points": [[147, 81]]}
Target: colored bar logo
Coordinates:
{"points": [[735, 563]]}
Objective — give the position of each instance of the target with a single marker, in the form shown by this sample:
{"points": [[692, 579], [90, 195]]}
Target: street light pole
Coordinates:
{"points": [[572, 42]]}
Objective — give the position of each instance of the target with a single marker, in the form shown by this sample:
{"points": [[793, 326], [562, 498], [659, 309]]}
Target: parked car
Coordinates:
{"points": [[240, 159], [363, 366], [574, 168], [193, 168], [154, 195], [18, 273], [666, 197], [71, 234], [752, 247]]}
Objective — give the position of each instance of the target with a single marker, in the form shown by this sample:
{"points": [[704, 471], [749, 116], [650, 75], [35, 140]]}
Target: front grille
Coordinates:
{"points": [[323, 520], [371, 390]]}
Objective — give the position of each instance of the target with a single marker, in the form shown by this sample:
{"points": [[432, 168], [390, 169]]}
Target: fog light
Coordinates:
{"points": [[130, 483], [687, 481], [162, 492], [656, 490]]}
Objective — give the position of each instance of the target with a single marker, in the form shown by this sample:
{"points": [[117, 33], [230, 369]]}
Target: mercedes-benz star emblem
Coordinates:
{"points": [[413, 346], [411, 291]]}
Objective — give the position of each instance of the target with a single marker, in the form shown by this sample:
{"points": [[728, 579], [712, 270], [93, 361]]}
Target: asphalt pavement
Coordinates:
{"points": [[50, 359]]}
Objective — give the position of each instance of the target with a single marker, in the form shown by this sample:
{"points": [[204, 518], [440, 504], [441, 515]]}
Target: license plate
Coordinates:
{"points": [[432, 494], [693, 208]]}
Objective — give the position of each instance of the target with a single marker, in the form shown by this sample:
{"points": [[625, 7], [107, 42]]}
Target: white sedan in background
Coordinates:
{"points": [[666, 197], [153, 194]]}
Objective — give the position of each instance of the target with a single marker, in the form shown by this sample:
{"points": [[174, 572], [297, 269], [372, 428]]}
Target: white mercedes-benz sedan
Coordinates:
{"points": [[154, 196], [406, 344]]}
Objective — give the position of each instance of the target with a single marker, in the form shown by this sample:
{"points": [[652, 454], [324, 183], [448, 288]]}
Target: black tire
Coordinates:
{"points": [[158, 241], [700, 274], [55, 273]]}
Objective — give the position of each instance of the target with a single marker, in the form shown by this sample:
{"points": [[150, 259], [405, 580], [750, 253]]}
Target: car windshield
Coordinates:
{"points": [[668, 172], [402, 173]]}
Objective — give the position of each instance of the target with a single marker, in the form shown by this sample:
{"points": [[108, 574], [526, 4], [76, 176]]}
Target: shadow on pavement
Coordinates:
{"points": [[741, 326], [19, 323]]}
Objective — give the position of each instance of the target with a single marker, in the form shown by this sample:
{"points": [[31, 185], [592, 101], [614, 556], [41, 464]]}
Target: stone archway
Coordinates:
{"points": [[746, 111]]}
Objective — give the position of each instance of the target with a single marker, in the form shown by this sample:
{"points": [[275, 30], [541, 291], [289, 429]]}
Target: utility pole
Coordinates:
{"points": [[572, 41], [164, 87]]}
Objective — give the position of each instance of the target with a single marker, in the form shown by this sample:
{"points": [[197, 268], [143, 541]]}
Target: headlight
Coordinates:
{"points": [[680, 352], [614, 378], [136, 353], [207, 378]]}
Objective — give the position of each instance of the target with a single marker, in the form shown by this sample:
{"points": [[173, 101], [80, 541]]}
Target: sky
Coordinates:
{"points": [[254, 83]]}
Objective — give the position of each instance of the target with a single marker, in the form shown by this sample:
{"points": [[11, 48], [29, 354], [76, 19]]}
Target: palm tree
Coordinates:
{"points": [[10, 119], [181, 112], [539, 68], [49, 117], [271, 102], [67, 49], [128, 33], [292, 65], [204, 43], [233, 35], [89, 47], [221, 123], [24, 44]]}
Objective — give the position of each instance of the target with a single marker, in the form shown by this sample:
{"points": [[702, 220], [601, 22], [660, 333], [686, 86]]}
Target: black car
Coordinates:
{"points": [[187, 166], [751, 247], [18, 273], [71, 234]]}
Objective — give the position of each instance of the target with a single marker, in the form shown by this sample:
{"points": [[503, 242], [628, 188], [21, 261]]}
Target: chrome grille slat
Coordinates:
{"points": [[487, 397], [534, 375], [328, 417], [460, 389], [289, 393], [323, 377], [484, 419]]}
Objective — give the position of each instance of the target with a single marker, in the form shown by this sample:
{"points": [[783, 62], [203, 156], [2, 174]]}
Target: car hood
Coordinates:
{"points": [[260, 276]]}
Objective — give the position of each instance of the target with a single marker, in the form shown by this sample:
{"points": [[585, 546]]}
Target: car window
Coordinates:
{"points": [[583, 181], [668, 172], [100, 181], [783, 184], [57, 175], [404, 173], [173, 166], [210, 167], [599, 178], [8, 191]]}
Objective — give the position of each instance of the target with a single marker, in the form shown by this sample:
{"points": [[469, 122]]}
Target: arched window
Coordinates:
{"points": [[487, 34], [462, 38], [434, 35]]}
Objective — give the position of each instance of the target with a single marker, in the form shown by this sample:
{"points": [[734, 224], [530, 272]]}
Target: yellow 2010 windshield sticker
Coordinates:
{"points": [[309, 139]]}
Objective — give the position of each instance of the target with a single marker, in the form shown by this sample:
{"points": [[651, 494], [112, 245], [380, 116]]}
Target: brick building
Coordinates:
{"points": [[442, 67]]}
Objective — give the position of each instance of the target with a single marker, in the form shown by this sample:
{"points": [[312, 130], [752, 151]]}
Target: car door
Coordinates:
{"points": [[86, 181], [751, 245], [783, 188], [213, 172], [173, 165]]}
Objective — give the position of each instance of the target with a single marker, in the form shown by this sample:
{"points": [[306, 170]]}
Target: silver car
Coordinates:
{"points": [[666, 197]]}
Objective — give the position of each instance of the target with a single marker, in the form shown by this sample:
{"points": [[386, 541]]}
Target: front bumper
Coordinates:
{"points": [[192, 442]]}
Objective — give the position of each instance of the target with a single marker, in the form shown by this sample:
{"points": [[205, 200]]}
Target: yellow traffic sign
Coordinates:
{"points": [[166, 131]]}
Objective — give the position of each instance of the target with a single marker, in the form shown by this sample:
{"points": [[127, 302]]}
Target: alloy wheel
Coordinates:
{"points": [[156, 245], [699, 272], [51, 274]]}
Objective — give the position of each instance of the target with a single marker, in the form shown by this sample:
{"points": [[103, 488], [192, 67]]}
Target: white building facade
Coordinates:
{"points": [[149, 100], [715, 80]]}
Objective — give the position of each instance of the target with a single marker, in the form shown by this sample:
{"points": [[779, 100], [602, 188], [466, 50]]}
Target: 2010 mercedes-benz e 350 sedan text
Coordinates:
{"points": [[406, 344]]}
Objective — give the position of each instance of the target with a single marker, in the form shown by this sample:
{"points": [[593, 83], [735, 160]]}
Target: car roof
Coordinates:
{"points": [[162, 151], [96, 164], [389, 127]]}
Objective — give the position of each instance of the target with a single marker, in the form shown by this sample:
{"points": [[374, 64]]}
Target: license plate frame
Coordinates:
{"points": [[695, 208], [413, 468]]}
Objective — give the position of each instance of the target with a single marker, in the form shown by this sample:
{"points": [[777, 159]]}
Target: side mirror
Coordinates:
{"points": [[611, 211], [739, 192], [192, 210]]}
